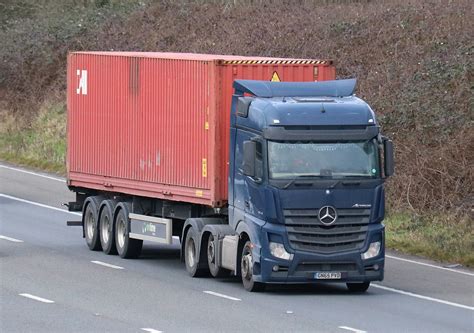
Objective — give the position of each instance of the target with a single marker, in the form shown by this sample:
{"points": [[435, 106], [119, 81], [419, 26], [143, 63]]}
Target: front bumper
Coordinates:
{"points": [[304, 265]]}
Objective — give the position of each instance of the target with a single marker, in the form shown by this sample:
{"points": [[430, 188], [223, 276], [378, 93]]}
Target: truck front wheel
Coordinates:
{"points": [[126, 247], [246, 270], [91, 226]]}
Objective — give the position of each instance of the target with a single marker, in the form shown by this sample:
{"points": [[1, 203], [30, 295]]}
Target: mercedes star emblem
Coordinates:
{"points": [[327, 215]]}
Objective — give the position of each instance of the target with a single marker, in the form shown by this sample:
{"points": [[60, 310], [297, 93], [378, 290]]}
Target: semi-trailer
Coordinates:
{"points": [[265, 168]]}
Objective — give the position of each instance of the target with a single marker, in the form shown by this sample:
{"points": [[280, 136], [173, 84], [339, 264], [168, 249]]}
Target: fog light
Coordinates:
{"points": [[278, 250], [376, 267], [275, 268], [373, 251]]}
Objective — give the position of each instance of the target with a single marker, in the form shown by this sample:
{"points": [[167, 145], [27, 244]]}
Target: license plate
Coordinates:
{"points": [[327, 276]]}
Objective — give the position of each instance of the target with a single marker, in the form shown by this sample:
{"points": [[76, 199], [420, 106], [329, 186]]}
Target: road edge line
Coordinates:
{"points": [[429, 265], [33, 173], [38, 204], [427, 298]]}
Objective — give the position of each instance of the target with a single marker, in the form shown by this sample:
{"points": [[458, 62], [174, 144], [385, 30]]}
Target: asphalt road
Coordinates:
{"points": [[51, 282]]}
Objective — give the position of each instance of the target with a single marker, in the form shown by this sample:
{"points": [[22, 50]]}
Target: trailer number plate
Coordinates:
{"points": [[327, 276]]}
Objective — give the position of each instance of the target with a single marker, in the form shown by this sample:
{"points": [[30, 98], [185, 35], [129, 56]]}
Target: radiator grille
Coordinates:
{"points": [[307, 233]]}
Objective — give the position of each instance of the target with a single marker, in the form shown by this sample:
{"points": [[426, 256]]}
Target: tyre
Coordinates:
{"points": [[214, 268], [106, 226], [246, 270], [126, 247], [91, 226], [358, 287], [192, 258]]}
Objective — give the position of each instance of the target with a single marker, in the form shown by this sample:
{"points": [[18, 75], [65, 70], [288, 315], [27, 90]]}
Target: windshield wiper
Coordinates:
{"points": [[299, 177]]}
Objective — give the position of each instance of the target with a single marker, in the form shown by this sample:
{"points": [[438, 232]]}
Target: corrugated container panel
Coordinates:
{"points": [[157, 124]]}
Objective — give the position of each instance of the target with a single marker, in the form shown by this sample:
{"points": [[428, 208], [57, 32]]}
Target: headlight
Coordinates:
{"points": [[373, 251], [278, 250]]}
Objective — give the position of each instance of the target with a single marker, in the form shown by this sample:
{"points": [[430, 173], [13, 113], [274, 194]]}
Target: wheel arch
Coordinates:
{"points": [[249, 231]]}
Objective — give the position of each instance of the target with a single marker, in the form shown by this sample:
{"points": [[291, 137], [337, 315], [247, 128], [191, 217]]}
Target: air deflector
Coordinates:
{"points": [[335, 88]]}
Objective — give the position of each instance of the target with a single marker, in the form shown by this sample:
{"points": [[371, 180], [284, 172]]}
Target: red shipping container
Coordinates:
{"points": [[157, 124]]}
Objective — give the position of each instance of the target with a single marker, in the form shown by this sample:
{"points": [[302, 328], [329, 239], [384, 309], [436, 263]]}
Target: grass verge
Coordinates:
{"points": [[444, 238], [40, 143]]}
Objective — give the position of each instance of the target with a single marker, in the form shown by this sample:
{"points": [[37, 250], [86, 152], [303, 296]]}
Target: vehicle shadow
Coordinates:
{"points": [[323, 288], [160, 252], [170, 257]]}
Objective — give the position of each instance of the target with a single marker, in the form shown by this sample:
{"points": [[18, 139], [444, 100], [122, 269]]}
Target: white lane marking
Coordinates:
{"points": [[429, 265], [38, 204], [352, 329], [151, 330], [221, 295], [36, 298], [106, 264], [46, 206], [407, 293], [33, 173], [11, 239]]}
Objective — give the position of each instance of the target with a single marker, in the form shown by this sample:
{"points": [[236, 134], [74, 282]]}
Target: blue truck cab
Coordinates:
{"points": [[306, 183]]}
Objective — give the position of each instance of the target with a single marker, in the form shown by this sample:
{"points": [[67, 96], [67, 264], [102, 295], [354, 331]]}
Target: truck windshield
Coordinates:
{"points": [[289, 160]]}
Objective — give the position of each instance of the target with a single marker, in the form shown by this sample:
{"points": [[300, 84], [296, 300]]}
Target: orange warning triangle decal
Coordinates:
{"points": [[275, 77]]}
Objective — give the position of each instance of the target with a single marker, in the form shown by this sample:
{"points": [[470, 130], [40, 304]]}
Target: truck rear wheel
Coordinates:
{"points": [[106, 225], [192, 257], [126, 247], [246, 270], [214, 268], [358, 287], [91, 226]]}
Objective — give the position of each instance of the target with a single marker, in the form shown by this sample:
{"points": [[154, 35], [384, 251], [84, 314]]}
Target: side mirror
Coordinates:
{"points": [[248, 163], [389, 167]]}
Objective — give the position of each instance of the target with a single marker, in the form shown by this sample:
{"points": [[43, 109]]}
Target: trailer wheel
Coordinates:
{"points": [[106, 225], [214, 268], [192, 257], [246, 270], [126, 247], [358, 287], [91, 226]]}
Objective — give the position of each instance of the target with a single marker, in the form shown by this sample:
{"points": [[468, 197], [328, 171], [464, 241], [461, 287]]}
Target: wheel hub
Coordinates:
{"points": [[247, 266], [105, 229], [191, 253], [121, 233], [90, 225], [211, 252]]}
